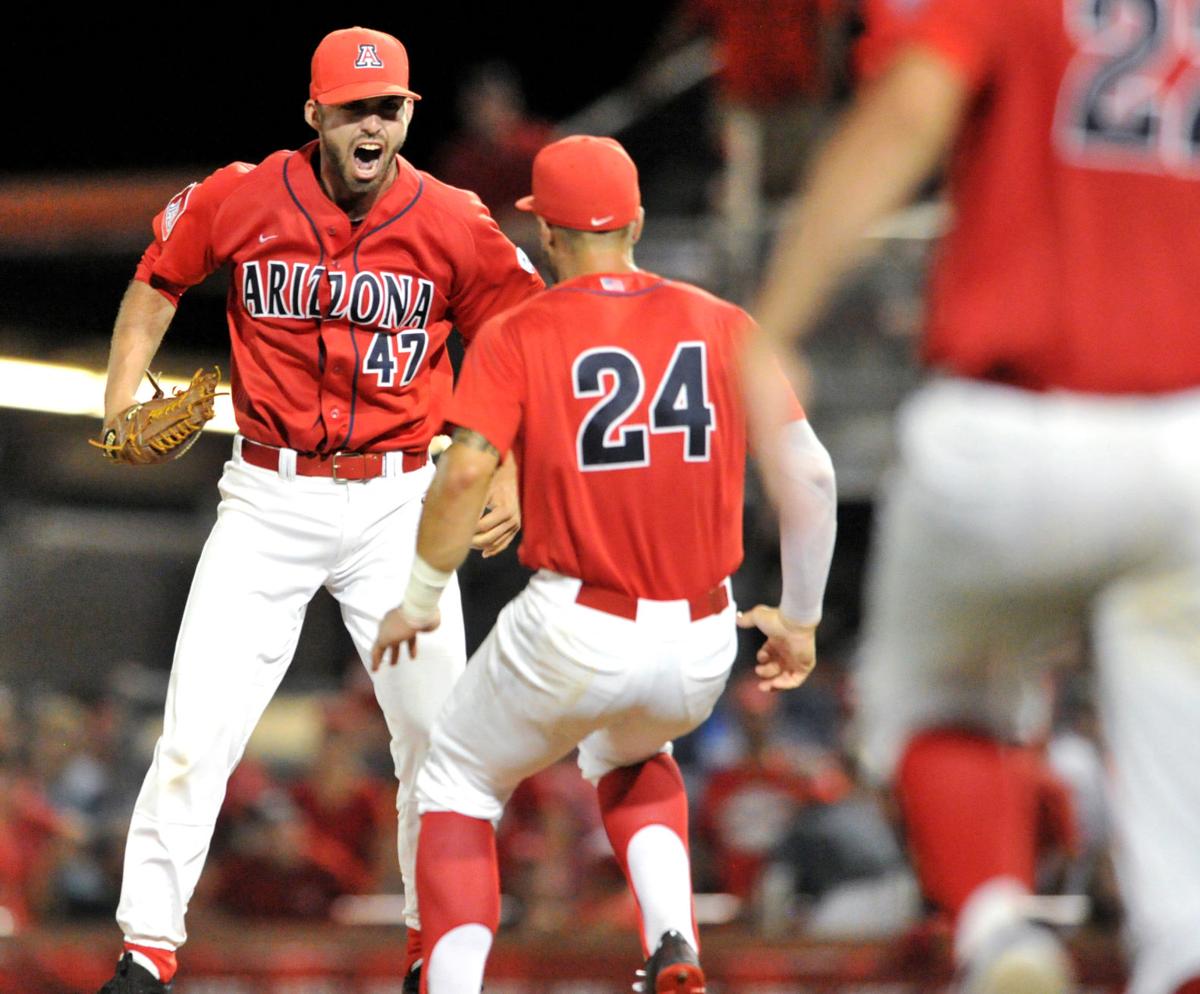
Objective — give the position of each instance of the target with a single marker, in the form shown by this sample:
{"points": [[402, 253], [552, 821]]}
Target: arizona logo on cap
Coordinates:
{"points": [[358, 64], [368, 58]]}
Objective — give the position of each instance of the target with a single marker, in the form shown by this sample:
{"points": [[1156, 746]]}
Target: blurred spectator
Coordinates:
{"points": [[842, 871], [749, 804], [555, 858], [36, 840], [785, 827], [271, 869], [71, 757], [492, 154], [350, 816], [782, 62], [290, 850]]}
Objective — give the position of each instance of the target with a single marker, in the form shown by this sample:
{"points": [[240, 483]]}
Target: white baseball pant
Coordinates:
{"points": [[277, 539], [1010, 515], [553, 674]]}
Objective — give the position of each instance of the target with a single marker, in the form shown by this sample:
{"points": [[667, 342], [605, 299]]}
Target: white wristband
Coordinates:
{"points": [[425, 586]]}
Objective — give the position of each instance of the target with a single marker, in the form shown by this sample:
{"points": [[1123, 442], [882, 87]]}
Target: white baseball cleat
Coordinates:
{"points": [[1021, 959]]}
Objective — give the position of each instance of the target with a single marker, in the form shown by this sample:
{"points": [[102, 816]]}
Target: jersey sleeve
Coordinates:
{"points": [[497, 275], [182, 253], [490, 395], [966, 33]]}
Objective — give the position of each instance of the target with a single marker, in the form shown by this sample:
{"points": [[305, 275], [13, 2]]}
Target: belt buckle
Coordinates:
{"points": [[333, 467]]}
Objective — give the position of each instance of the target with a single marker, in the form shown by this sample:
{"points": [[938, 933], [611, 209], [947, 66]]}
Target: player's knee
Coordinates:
{"points": [[440, 788]]}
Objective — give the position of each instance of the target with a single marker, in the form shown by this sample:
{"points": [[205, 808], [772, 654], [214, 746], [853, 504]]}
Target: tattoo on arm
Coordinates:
{"points": [[474, 440]]}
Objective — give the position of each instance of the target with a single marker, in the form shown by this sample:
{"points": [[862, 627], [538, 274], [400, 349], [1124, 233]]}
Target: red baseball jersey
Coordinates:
{"points": [[338, 330], [1075, 243], [620, 396], [769, 51]]}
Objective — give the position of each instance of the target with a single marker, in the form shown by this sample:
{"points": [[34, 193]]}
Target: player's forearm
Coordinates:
{"points": [[141, 322], [888, 144], [806, 494], [452, 507], [506, 472], [453, 504]]}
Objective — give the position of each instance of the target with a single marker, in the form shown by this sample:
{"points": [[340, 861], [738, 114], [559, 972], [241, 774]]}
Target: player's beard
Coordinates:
{"points": [[343, 168]]}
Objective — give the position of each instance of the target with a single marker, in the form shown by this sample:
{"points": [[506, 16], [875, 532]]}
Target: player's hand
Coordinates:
{"points": [[790, 652], [501, 521], [396, 630]]}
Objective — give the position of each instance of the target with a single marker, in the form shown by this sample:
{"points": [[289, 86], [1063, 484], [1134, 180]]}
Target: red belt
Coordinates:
{"points": [[624, 606], [335, 465]]}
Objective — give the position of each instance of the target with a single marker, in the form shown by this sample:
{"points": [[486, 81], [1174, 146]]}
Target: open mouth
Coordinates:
{"points": [[368, 158]]}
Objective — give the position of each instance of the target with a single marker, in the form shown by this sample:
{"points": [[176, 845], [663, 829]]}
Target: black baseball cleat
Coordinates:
{"points": [[674, 968], [412, 980], [132, 978]]}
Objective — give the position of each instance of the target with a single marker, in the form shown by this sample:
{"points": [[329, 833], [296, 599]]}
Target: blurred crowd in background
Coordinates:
{"points": [[781, 825]]}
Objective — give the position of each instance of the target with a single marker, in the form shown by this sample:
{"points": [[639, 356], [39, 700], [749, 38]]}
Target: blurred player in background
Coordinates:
{"points": [[1050, 470], [619, 392]]}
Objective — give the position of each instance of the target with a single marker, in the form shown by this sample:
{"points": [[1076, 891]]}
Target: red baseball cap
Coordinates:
{"points": [[586, 183], [356, 64]]}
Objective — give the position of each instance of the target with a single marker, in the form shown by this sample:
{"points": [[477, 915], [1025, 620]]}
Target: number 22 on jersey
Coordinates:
{"points": [[607, 439], [1131, 97]]}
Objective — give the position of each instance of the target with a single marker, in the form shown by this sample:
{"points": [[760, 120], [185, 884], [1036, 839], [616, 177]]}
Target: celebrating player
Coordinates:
{"points": [[349, 267], [1049, 473], [620, 392]]}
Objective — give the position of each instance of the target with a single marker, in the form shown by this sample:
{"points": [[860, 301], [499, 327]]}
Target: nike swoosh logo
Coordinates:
{"points": [[266, 238], [597, 221]]}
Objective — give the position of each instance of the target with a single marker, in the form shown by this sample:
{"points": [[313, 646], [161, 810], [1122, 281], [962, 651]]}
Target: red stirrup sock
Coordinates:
{"points": [[161, 961], [645, 814], [413, 952], [458, 881], [970, 810]]}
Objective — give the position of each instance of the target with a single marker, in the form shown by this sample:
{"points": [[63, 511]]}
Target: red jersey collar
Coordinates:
{"points": [[308, 187], [612, 284]]}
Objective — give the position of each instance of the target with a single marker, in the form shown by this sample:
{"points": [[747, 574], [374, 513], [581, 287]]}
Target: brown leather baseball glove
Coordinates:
{"points": [[163, 428]]}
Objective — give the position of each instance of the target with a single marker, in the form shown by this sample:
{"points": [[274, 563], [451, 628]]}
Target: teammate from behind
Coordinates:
{"points": [[620, 393], [349, 267], [1050, 474]]}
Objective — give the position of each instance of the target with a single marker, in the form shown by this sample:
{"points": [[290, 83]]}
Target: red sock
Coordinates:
{"points": [[412, 949], [1189, 987], [632, 797], [458, 877], [970, 810], [163, 959]]}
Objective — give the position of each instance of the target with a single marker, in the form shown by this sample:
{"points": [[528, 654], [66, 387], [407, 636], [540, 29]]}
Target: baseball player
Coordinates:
{"points": [[619, 391], [349, 267], [1048, 472]]}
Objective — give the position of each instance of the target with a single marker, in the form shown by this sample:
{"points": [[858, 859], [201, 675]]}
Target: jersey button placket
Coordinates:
{"points": [[334, 389]]}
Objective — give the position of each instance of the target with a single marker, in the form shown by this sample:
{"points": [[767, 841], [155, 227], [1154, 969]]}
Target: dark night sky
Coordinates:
{"points": [[206, 85]]}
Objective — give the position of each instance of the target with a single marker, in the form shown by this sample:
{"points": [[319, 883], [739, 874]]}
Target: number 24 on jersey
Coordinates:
{"points": [[607, 439]]}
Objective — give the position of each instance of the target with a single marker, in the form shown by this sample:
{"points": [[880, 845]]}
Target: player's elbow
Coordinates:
{"points": [[918, 105], [808, 463], [464, 476], [821, 477]]}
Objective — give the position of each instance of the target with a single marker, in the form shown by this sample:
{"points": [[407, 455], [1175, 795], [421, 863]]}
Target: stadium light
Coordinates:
{"points": [[54, 388]]}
